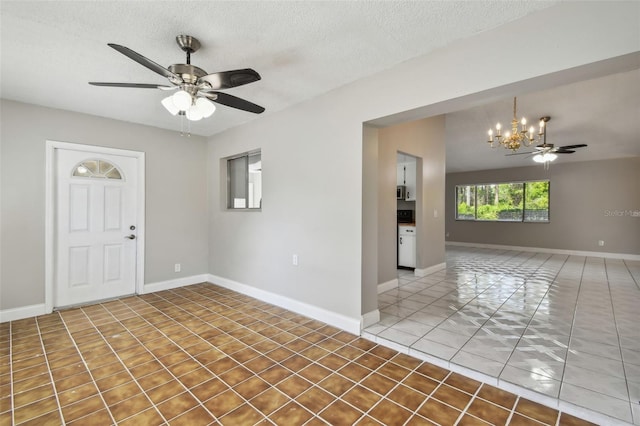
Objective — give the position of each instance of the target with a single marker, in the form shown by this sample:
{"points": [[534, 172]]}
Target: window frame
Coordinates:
{"points": [[228, 197], [524, 200]]}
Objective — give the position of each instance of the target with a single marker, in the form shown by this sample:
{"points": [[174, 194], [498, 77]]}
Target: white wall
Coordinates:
{"points": [[176, 206], [312, 152]]}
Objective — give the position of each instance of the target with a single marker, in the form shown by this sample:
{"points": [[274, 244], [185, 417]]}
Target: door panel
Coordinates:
{"points": [[79, 266], [113, 262], [93, 215], [79, 208], [112, 209]]}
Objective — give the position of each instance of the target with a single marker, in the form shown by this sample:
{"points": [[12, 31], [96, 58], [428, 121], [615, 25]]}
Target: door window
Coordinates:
{"points": [[100, 169]]}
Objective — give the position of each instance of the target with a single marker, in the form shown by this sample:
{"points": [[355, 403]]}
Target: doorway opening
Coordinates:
{"points": [[406, 196]]}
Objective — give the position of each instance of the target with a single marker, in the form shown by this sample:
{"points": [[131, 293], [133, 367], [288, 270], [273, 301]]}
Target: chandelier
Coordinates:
{"points": [[515, 138]]}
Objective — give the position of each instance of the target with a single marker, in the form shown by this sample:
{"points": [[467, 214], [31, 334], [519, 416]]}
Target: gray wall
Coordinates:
{"points": [[176, 198], [370, 226], [584, 196], [423, 139]]}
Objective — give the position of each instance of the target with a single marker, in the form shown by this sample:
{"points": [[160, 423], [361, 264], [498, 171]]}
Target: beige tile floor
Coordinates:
{"points": [[566, 328], [203, 355]]}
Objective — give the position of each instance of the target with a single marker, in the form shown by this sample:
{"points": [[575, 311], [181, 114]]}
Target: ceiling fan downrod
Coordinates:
{"points": [[188, 44]]}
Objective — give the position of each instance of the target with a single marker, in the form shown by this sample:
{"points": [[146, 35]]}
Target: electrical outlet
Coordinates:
{"points": [[601, 243], [294, 260], [177, 267], [435, 212]]}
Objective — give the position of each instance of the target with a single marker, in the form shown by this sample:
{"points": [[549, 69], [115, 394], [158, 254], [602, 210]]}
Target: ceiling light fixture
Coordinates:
{"points": [[544, 157], [192, 107], [515, 138]]}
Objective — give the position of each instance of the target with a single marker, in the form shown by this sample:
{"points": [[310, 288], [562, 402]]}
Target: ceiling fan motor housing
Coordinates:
{"points": [[189, 73]]}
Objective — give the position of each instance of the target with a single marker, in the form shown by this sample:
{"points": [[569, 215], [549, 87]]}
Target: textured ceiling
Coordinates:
{"points": [[302, 49], [50, 50]]}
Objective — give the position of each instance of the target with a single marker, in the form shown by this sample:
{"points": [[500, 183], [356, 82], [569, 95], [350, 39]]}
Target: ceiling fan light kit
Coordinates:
{"points": [[196, 90], [544, 157], [183, 103]]}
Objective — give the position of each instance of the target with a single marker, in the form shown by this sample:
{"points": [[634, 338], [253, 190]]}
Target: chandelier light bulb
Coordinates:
{"points": [[182, 100]]}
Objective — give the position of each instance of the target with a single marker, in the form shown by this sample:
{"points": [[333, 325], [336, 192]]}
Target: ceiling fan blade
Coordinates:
{"points": [[520, 153], [229, 79], [563, 151], [133, 85], [174, 78], [582, 145], [234, 102]]}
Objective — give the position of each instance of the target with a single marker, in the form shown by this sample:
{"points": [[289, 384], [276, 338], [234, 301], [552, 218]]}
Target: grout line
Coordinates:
{"points": [[46, 357], [624, 370], [13, 407]]}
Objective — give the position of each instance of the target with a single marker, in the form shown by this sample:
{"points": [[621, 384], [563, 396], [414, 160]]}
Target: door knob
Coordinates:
{"points": [[131, 237]]}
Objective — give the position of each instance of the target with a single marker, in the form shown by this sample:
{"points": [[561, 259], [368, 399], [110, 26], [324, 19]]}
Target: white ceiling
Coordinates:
{"points": [[50, 50]]}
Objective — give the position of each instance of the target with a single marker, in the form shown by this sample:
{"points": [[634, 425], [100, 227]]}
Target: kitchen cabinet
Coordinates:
{"points": [[406, 175], [407, 246]]}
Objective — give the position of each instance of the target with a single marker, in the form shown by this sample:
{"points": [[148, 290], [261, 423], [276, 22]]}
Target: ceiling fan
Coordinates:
{"points": [[195, 87], [546, 152]]}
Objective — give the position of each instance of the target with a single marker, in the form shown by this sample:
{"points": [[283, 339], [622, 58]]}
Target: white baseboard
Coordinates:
{"points": [[178, 282], [389, 285], [370, 318], [15, 314], [430, 270], [352, 325], [606, 255]]}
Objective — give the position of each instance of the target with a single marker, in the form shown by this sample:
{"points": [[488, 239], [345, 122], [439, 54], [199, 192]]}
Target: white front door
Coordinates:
{"points": [[96, 210]]}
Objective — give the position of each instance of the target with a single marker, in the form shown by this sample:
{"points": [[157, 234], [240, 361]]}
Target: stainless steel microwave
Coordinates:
{"points": [[401, 192]]}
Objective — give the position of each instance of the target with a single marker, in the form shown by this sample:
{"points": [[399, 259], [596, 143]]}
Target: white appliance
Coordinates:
{"points": [[407, 246]]}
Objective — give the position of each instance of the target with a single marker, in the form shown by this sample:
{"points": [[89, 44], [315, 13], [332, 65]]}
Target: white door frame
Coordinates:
{"points": [[50, 208]]}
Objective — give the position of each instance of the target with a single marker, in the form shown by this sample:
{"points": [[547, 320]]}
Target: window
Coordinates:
{"points": [[97, 169], [244, 181], [504, 202]]}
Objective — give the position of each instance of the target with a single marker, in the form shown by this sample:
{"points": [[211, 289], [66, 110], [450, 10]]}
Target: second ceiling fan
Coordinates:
{"points": [[195, 87], [546, 152]]}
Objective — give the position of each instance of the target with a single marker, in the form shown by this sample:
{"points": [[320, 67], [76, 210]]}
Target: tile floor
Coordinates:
{"points": [[565, 327], [206, 355]]}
